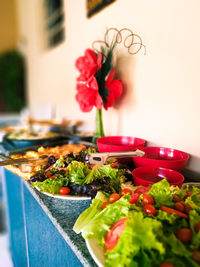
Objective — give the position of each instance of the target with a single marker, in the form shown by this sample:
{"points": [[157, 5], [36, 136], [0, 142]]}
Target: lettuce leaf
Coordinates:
{"points": [[51, 185], [161, 193], [78, 172], [138, 244], [81, 174], [194, 219], [194, 200], [88, 215], [100, 221], [176, 252]]}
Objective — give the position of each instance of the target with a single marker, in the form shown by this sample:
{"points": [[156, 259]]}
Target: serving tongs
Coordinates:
{"points": [[10, 161], [101, 158]]}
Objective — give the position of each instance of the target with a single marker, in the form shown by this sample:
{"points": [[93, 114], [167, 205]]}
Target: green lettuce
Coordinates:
{"points": [[81, 174], [100, 221], [138, 244], [161, 193], [194, 219], [78, 172], [176, 252], [194, 200], [52, 185]]}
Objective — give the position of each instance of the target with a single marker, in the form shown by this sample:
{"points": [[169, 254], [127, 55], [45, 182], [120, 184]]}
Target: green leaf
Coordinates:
{"points": [[138, 244], [161, 193], [101, 220], [52, 185]]}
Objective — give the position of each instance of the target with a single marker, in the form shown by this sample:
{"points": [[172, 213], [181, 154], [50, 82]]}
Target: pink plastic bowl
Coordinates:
{"points": [[149, 175], [162, 157], [119, 143]]}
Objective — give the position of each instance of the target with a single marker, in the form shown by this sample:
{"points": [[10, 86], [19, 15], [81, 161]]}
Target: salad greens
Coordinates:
{"points": [[52, 185], [81, 178], [161, 194], [147, 240]]}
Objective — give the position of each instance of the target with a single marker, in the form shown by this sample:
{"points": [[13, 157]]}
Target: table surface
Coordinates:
{"points": [[63, 214]]}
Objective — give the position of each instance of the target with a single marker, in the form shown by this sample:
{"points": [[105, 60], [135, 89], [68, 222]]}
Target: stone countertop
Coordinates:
{"points": [[63, 214]]}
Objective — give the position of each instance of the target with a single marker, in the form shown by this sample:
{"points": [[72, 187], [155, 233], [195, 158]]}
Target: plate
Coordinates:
{"points": [[68, 197], [96, 252], [190, 184], [22, 143]]}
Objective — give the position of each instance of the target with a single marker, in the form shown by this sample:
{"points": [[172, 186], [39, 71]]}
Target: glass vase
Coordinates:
{"points": [[99, 131]]}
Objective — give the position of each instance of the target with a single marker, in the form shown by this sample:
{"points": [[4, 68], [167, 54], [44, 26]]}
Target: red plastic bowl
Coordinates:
{"points": [[119, 143], [162, 157], [149, 175]]}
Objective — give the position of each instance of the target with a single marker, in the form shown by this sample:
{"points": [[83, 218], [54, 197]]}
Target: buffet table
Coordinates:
{"points": [[40, 227]]}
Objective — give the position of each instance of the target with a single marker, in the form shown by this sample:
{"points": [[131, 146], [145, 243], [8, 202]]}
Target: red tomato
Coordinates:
{"points": [[142, 190], [179, 206], [134, 198], [147, 199], [126, 191], [53, 176], [187, 208], [114, 197], [104, 205], [176, 212], [166, 264], [176, 198], [184, 235], [48, 175], [149, 209], [197, 227], [113, 235], [64, 190], [196, 256], [91, 166]]}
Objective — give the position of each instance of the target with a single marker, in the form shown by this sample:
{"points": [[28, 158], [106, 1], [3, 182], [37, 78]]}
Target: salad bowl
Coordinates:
{"points": [[162, 157], [119, 143], [135, 235], [149, 175]]}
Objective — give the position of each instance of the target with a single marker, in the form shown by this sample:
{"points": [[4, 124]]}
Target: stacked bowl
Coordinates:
{"points": [[159, 163], [156, 164]]}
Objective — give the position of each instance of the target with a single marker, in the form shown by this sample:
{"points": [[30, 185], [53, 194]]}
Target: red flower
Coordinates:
{"points": [[115, 90], [88, 95], [89, 64]]}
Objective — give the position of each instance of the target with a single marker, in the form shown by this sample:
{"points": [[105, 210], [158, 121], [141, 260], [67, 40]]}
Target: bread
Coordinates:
{"points": [[27, 170]]}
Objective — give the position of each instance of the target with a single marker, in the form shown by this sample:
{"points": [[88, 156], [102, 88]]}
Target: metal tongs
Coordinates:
{"points": [[101, 158], [10, 161]]}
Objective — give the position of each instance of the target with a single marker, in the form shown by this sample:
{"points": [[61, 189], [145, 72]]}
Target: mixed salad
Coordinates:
{"points": [[74, 176], [145, 226]]}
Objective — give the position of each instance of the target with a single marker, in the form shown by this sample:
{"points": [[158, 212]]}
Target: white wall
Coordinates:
{"points": [[162, 97]]}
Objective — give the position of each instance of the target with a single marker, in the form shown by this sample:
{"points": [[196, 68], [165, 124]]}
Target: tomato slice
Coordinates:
{"points": [[113, 235], [176, 212], [49, 168]]}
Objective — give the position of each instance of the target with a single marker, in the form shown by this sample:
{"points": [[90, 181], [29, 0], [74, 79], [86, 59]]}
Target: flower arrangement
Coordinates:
{"points": [[96, 84]]}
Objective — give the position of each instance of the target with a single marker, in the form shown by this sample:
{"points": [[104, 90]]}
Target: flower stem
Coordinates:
{"points": [[99, 131]]}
